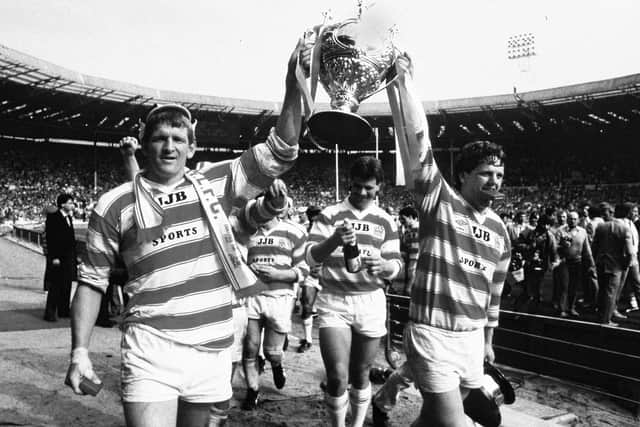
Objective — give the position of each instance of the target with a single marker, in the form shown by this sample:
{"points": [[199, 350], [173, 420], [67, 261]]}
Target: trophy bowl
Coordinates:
{"points": [[354, 62]]}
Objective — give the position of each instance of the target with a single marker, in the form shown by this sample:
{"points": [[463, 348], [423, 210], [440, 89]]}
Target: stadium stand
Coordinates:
{"points": [[566, 147]]}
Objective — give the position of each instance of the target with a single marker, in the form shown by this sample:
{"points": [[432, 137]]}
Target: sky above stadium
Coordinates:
{"points": [[239, 48]]}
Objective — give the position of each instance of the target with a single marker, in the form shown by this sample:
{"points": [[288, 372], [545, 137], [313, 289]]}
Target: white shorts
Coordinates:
{"points": [[155, 369], [365, 313], [274, 310], [239, 331], [444, 360]]}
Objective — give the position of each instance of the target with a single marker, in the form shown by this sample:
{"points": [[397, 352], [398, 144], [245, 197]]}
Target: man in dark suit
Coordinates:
{"points": [[612, 249], [61, 257]]}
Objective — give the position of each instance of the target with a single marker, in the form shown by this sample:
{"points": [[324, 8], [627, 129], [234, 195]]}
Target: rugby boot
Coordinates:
{"points": [[380, 418], [251, 400], [279, 377], [304, 346]]}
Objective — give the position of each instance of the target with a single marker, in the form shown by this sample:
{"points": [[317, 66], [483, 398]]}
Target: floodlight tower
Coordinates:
{"points": [[521, 48]]}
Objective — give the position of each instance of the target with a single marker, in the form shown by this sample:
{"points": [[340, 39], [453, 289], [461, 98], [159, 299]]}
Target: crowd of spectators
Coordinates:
{"points": [[538, 178], [585, 256], [35, 173]]}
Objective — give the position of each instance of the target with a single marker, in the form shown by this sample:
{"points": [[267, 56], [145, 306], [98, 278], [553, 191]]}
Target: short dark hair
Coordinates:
{"points": [[475, 153], [367, 167], [605, 206], [174, 117], [409, 211], [545, 220], [622, 210], [63, 198], [313, 211], [629, 207]]}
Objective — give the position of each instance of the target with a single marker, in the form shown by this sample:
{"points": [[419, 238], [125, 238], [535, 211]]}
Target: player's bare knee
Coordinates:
{"points": [[336, 383], [250, 348], [337, 387]]}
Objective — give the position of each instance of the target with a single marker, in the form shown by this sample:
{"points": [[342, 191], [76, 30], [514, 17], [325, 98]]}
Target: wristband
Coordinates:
{"points": [[79, 354], [89, 382], [80, 357]]}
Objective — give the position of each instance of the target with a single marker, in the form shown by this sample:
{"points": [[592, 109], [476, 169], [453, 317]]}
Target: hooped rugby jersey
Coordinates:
{"points": [[282, 247], [177, 285], [463, 261], [377, 234]]}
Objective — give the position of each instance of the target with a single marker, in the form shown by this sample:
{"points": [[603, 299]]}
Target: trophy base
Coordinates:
{"points": [[339, 127]]}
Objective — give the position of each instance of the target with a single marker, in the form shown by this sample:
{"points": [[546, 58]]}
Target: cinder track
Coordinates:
{"points": [[34, 357]]}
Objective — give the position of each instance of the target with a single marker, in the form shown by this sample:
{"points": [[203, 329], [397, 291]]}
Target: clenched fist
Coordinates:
{"points": [[129, 145]]}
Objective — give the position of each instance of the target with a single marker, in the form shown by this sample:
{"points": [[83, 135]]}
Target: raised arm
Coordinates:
{"points": [[128, 147], [258, 166], [290, 119], [412, 131]]}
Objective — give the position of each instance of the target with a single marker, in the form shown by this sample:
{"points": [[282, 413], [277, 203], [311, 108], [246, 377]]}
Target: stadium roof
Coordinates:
{"points": [[43, 100]]}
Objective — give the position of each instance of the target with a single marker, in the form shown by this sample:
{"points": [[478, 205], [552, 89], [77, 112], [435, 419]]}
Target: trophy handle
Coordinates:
{"points": [[389, 82], [381, 88], [309, 93], [316, 58]]}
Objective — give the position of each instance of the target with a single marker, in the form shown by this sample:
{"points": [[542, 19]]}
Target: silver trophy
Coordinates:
{"points": [[353, 61]]}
